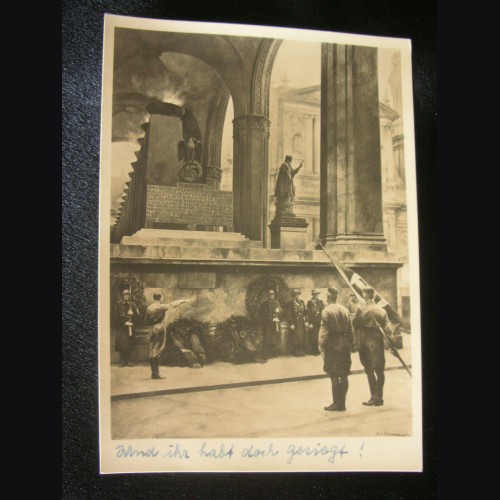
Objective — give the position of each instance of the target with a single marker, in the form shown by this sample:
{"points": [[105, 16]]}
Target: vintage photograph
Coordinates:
{"points": [[258, 273]]}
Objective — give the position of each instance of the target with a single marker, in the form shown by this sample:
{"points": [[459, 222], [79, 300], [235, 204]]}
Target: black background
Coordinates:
{"points": [[82, 40]]}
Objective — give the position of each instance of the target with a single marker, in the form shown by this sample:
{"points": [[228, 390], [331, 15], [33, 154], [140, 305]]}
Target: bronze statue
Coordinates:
{"points": [[284, 191]]}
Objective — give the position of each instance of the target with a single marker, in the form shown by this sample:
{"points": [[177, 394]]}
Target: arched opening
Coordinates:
{"points": [[226, 183], [294, 111], [166, 77]]}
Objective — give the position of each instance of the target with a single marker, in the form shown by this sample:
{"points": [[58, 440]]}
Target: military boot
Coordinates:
{"points": [[374, 399], [337, 391]]}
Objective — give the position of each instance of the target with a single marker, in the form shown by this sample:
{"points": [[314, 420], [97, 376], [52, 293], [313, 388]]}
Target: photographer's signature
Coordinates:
{"points": [[391, 434]]}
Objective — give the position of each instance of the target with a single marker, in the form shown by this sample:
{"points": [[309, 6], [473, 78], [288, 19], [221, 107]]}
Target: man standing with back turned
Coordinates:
{"points": [[368, 321], [335, 342]]}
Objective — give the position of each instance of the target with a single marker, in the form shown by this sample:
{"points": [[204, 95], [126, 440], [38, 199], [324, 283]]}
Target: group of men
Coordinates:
{"points": [[343, 332], [334, 331], [303, 322]]}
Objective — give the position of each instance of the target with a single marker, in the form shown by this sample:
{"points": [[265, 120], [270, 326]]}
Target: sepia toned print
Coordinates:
{"points": [[259, 296]]}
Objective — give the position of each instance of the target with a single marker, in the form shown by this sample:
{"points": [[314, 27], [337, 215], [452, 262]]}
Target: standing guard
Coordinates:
{"points": [[335, 344], [127, 315], [314, 309], [297, 321], [368, 321], [270, 315]]}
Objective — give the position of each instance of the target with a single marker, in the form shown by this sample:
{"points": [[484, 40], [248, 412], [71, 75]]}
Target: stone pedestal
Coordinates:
{"points": [[289, 232]]}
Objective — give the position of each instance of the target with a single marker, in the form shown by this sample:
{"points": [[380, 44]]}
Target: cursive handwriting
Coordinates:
{"points": [[250, 452], [177, 452], [318, 450], [129, 452], [221, 452]]}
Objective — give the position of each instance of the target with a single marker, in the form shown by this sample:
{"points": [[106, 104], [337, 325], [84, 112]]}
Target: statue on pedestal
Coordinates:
{"points": [[284, 191]]}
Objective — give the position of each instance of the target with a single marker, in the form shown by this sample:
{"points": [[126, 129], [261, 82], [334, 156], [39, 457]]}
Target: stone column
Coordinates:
{"points": [[309, 144], [351, 187], [250, 167], [316, 145]]}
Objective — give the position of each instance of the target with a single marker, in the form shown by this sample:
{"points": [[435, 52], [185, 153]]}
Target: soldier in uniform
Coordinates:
{"points": [[368, 320], [270, 315], [126, 315], [314, 308], [353, 306], [155, 316], [335, 343], [297, 321]]}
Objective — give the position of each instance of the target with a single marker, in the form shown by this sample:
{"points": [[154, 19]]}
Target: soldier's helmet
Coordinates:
{"points": [[271, 292], [125, 291], [296, 291], [315, 292]]}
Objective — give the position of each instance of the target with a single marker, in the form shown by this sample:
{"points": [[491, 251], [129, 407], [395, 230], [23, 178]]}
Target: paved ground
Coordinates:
{"points": [[284, 405]]}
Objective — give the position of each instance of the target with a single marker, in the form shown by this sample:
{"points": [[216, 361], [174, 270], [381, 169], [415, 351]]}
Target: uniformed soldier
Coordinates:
{"points": [[127, 315], [368, 320], [335, 343], [353, 306], [314, 308], [270, 315], [297, 321]]}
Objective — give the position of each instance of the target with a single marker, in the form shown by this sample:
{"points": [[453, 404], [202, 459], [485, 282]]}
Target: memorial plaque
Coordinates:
{"points": [[197, 280], [189, 205]]}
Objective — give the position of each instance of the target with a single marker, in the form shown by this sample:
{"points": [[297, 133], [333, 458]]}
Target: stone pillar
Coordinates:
{"points": [[316, 145], [164, 133], [214, 175], [351, 187], [250, 174], [309, 144]]}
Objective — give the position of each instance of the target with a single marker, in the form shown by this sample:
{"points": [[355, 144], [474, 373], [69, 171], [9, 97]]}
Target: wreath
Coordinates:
{"points": [[257, 292], [238, 339], [184, 328]]}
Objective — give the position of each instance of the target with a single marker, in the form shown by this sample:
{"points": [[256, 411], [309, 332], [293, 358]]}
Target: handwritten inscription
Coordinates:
{"points": [[226, 451], [220, 452], [187, 205], [252, 452], [331, 451], [130, 452]]}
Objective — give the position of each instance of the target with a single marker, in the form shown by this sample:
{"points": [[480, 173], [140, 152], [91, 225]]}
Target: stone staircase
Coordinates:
{"points": [[181, 238]]}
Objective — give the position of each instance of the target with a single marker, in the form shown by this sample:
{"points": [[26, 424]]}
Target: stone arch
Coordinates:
{"points": [[215, 125], [218, 51], [257, 292], [262, 76]]}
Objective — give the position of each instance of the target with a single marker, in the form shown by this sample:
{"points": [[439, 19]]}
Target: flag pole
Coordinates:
{"points": [[392, 347]]}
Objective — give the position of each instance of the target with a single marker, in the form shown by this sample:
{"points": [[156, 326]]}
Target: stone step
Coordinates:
{"points": [[178, 233], [189, 242], [207, 252], [196, 252]]}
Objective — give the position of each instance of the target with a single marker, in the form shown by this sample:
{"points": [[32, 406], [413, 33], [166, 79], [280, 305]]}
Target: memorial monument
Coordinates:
{"points": [[180, 235]]}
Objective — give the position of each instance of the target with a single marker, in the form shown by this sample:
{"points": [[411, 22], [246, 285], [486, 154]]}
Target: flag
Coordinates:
{"points": [[358, 283]]}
